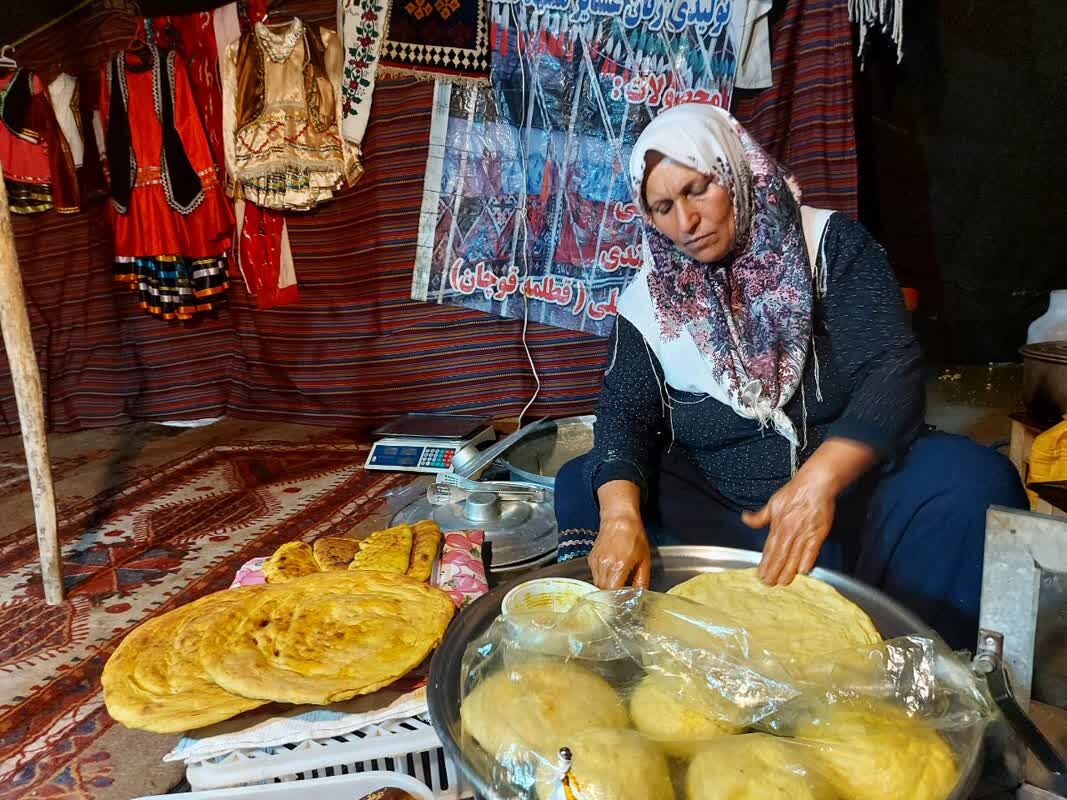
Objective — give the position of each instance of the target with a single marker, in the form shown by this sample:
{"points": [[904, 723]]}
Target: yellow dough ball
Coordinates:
{"points": [[755, 766], [680, 717], [536, 707], [874, 751], [611, 764]]}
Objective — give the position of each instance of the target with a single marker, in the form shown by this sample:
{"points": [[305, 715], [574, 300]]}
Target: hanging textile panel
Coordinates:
{"points": [[527, 207], [447, 39], [805, 119]]}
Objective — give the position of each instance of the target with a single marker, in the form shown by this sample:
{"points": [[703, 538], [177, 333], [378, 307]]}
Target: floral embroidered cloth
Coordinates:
{"points": [[362, 23]]}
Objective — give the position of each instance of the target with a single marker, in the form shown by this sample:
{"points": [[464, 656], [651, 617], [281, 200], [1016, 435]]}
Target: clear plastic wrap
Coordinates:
{"points": [[647, 696]]}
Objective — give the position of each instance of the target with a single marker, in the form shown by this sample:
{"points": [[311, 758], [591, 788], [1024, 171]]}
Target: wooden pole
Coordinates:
{"points": [[15, 326]]}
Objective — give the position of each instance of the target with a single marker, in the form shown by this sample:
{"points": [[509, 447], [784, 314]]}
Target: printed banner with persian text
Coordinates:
{"points": [[526, 205]]}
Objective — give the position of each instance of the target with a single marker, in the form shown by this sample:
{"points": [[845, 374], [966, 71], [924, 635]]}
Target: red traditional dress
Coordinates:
{"points": [[173, 222], [38, 168]]}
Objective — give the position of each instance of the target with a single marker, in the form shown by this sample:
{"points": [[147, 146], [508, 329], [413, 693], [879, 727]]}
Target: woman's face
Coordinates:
{"points": [[689, 209]]}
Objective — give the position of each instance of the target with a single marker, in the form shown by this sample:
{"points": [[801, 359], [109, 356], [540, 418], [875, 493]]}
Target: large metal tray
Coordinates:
{"points": [[670, 566]]}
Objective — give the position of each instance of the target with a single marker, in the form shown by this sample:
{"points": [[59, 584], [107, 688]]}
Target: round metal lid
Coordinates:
{"points": [[519, 531], [1053, 352], [538, 458]]}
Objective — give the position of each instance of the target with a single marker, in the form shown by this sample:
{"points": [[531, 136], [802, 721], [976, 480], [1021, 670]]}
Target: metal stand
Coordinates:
{"points": [[1024, 553]]}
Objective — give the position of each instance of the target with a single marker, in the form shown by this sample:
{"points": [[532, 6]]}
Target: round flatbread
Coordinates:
{"points": [[534, 708], [611, 764], [681, 717], [290, 561], [328, 637], [755, 766], [875, 751], [154, 680], [800, 622]]}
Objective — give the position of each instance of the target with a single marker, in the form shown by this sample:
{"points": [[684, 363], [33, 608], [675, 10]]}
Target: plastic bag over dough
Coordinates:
{"points": [[658, 696]]}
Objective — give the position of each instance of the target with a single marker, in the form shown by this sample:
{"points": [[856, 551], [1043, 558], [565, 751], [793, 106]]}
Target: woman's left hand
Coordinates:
{"points": [[800, 516], [801, 513]]}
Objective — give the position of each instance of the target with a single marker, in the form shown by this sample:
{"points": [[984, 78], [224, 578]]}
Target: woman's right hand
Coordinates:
{"points": [[621, 555]]}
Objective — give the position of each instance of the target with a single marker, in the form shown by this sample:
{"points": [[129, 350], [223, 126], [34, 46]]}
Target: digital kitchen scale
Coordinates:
{"points": [[428, 442]]}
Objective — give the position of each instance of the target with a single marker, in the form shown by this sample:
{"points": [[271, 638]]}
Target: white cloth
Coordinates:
{"points": [[63, 92], [884, 15], [299, 724], [98, 134], [227, 31], [750, 31], [227, 24], [705, 138]]}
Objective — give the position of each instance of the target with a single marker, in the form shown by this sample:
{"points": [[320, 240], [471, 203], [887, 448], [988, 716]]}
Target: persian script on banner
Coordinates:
{"points": [[526, 204]]}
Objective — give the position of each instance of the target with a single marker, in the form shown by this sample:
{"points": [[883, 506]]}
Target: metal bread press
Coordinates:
{"points": [[515, 512], [517, 517]]}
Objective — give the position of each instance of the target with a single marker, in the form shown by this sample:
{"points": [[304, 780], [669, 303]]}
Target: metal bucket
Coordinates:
{"points": [[671, 566], [539, 457], [1045, 381]]}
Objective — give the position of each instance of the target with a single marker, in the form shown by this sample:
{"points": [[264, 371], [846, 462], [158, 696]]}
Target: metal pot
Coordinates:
{"points": [[1045, 380], [538, 457], [671, 566]]}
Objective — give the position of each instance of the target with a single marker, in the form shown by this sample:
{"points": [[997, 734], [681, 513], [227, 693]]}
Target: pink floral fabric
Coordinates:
{"points": [[461, 572], [250, 574]]}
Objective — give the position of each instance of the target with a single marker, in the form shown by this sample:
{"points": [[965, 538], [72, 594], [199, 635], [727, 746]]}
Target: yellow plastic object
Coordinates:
{"points": [[1048, 458]]}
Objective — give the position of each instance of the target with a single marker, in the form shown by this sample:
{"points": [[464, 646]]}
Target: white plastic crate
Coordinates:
{"points": [[407, 746], [338, 788]]}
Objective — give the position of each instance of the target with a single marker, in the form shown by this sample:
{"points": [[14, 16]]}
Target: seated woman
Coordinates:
{"points": [[764, 391]]}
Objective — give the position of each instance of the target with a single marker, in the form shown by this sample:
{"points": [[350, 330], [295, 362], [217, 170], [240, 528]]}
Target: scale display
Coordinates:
{"points": [[415, 454], [390, 456]]}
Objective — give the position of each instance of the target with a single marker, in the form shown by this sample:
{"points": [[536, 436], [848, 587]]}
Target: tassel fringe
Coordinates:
{"points": [[888, 15]]}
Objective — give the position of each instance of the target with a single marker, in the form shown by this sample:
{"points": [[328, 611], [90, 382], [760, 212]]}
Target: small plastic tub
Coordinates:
{"points": [[552, 595]]}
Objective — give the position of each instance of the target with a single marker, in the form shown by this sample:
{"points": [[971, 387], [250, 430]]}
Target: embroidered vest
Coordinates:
{"points": [[181, 184], [318, 91]]}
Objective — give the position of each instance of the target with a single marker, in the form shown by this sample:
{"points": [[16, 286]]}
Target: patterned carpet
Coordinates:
{"points": [[167, 535]]}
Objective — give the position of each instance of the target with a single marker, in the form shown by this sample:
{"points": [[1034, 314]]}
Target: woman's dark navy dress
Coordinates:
{"points": [[914, 527]]}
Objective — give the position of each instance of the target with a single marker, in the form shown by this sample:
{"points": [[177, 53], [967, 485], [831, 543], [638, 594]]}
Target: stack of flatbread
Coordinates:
{"points": [[404, 550], [317, 639], [699, 733]]}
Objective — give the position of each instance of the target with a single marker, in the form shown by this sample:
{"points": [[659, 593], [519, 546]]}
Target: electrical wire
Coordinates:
{"points": [[522, 218]]}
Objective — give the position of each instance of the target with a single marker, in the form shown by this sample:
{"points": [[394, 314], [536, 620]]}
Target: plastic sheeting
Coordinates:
{"points": [[654, 696], [527, 206]]}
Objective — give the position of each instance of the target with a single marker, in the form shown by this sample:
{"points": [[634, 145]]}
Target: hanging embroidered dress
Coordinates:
{"points": [[172, 220], [281, 110], [38, 167]]}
